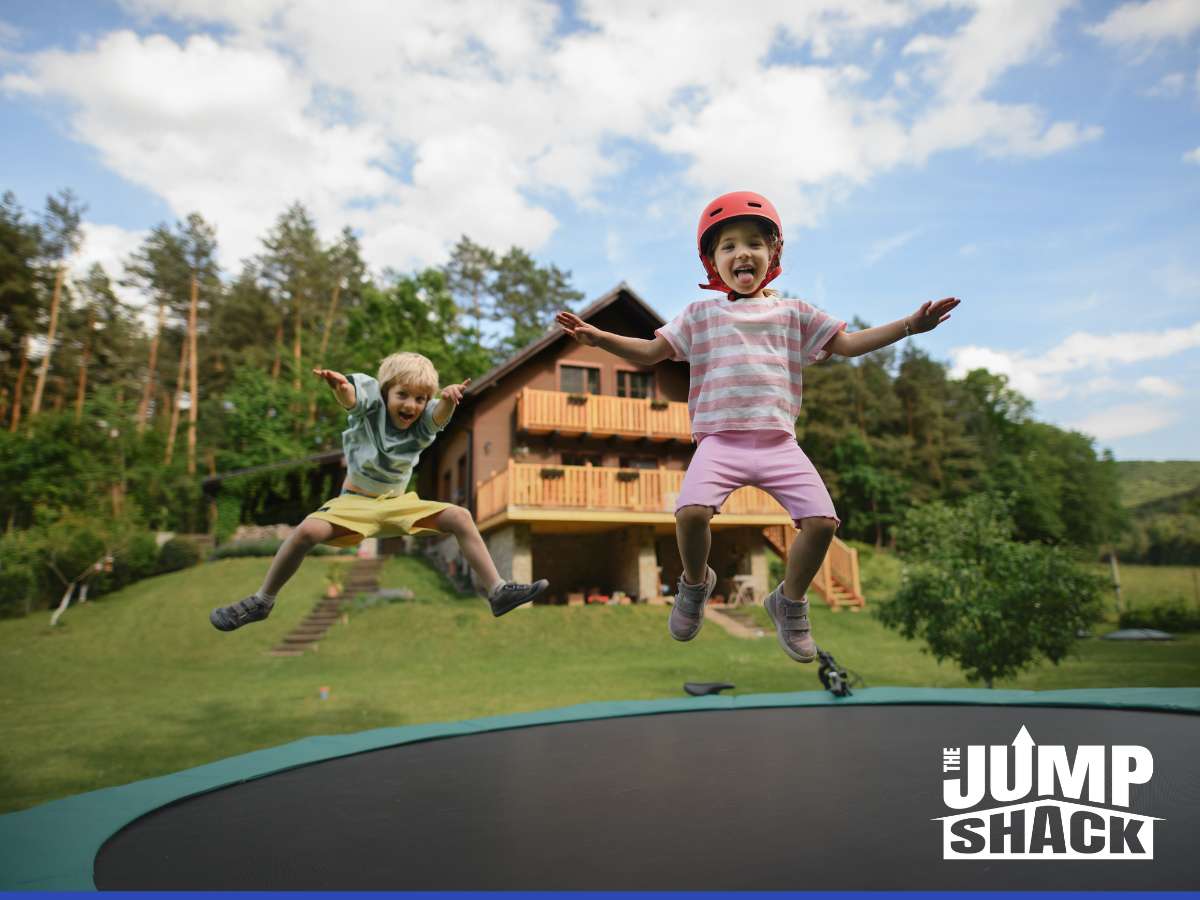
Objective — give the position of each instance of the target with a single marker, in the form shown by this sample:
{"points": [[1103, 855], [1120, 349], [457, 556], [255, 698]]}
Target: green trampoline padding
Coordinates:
{"points": [[54, 846]]}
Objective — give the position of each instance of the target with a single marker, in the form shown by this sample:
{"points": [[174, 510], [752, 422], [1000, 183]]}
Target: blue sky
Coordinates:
{"points": [[1039, 160]]}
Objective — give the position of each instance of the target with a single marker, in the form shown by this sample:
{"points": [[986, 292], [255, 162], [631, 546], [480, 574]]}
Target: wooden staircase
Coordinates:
{"points": [[837, 580], [363, 578]]}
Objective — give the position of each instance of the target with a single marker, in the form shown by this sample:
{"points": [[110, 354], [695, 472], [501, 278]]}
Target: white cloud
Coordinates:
{"points": [[882, 248], [1192, 156], [1171, 85], [1158, 386], [182, 121], [110, 246], [1134, 24], [1105, 384], [1124, 421], [1043, 377], [415, 123]]}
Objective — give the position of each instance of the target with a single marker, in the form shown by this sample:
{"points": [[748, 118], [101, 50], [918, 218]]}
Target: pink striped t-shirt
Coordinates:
{"points": [[746, 358]]}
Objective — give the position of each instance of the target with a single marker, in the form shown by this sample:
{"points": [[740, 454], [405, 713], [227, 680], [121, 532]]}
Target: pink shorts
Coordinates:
{"points": [[771, 460]]}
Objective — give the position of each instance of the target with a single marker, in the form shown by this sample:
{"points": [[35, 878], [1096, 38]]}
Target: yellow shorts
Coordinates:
{"points": [[387, 515]]}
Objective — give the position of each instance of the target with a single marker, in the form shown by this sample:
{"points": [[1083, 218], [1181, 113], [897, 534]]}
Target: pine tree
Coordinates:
{"points": [[61, 237]]}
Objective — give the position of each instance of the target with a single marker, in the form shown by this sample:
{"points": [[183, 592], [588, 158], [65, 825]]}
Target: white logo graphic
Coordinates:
{"points": [[1052, 818]]}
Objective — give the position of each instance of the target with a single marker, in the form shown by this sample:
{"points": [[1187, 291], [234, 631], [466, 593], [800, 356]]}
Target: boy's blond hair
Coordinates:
{"points": [[410, 369]]}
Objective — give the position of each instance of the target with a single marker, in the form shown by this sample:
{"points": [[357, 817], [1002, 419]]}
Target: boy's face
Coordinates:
{"points": [[405, 403], [742, 256]]}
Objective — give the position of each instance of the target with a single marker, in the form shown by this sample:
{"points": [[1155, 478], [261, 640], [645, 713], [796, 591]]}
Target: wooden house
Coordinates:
{"points": [[571, 458]]}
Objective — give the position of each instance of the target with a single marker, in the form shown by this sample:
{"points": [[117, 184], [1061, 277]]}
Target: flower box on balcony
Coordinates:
{"points": [[551, 472], [577, 399], [628, 476], [659, 405]]}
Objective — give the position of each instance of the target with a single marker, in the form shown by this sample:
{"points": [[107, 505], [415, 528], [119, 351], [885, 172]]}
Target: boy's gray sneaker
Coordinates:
{"points": [[687, 615], [229, 618], [509, 596], [791, 625]]}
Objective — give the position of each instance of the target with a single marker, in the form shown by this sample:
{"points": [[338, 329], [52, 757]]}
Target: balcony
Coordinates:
{"points": [[597, 415], [531, 492]]}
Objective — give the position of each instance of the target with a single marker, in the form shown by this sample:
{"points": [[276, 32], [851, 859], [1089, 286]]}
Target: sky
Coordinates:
{"points": [[1041, 160]]}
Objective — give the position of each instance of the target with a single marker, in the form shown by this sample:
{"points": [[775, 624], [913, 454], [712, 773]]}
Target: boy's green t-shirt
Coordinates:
{"points": [[379, 456]]}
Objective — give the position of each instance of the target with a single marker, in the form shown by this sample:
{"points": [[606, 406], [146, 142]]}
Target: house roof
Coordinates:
{"points": [[622, 292]]}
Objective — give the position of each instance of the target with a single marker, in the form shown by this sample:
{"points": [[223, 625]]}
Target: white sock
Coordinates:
{"points": [[495, 587], [269, 599]]}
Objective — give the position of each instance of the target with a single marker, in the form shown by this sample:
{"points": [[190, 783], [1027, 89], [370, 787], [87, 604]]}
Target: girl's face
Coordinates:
{"points": [[742, 256], [405, 403]]}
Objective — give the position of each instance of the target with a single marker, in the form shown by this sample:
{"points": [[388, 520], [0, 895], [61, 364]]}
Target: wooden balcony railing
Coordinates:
{"points": [[598, 488], [544, 412]]}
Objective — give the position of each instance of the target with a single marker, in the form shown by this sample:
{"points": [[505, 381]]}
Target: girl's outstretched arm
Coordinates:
{"points": [[637, 350], [928, 316]]}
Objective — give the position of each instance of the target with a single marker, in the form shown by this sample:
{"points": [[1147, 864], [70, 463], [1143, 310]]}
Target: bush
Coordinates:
{"points": [[269, 547], [982, 599], [1173, 615], [137, 560], [266, 547], [17, 585], [177, 554]]}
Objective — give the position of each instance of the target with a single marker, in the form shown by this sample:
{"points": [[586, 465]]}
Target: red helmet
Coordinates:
{"points": [[735, 206]]}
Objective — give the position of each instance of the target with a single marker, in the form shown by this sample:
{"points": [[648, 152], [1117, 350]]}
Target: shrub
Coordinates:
{"points": [[1172, 615], [138, 559], [177, 554], [982, 599], [266, 547], [269, 547], [16, 587]]}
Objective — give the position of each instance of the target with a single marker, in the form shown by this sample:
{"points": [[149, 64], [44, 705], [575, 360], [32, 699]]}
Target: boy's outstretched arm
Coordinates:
{"points": [[452, 395], [637, 350], [928, 316], [342, 387]]}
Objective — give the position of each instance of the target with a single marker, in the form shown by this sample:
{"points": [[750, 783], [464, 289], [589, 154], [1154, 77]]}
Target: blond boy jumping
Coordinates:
{"points": [[391, 420]]}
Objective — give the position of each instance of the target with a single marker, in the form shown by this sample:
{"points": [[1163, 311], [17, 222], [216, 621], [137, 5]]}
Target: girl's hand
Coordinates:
{"points": [[340, 384], [586, 334], [931, 314], [453, 393]]}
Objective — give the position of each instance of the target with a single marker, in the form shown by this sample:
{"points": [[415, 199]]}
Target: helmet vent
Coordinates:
{"points": [[716, 212], [756, 205]]}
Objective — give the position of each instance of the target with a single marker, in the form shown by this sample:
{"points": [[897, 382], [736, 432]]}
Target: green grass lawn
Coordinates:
{"points": [[139, 684]]}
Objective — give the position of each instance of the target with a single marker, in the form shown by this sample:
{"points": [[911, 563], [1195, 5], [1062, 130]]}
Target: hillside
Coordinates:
{"points": [[1143, 481]]}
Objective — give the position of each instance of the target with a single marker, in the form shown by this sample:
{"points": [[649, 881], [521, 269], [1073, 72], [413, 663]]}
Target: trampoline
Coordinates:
{"points": [[764, 792]]}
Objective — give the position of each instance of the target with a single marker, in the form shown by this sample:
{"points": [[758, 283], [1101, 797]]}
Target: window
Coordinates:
{"points": [[446, 486], [461, 496], [582, 459], [579, 380], [638, 462], [635, 384]]}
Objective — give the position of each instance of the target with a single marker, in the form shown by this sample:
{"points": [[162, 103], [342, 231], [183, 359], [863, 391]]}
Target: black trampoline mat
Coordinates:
{"points": [[797, 798]]}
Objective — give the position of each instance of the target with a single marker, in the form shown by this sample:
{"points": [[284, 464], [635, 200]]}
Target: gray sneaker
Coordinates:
{"points": [[229, 618], [791, 625], [687, 615], [509, 596]]}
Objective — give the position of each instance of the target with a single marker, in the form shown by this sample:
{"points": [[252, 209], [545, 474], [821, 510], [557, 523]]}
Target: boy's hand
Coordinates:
{"points": [[453, 393], [340, 384], [586, 334], [931, 314]]}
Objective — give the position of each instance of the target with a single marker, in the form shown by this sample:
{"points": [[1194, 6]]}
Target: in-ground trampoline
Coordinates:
{"points": [[766, 792]]}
